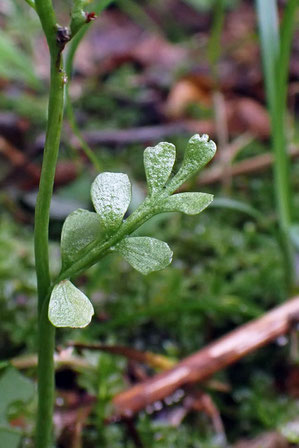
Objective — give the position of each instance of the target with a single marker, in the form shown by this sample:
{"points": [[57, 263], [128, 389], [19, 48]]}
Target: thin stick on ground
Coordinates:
{"points": [[216, 356], [251, 165]]}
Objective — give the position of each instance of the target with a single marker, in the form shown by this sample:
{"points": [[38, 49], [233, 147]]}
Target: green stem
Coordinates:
{"points": [[69, 111], [76, 40], [214, 44], [46, 384], [46, 332], [139, 15], [282, 71], [286, 35], [69, 61], [31, 3], [42, 210], [46, 13], [56, 38], [275, 54]]}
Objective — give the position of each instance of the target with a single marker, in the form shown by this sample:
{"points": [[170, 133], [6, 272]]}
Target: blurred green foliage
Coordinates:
{"points": [[15, 389], [227, 270], [17, 47], [207, 4]]}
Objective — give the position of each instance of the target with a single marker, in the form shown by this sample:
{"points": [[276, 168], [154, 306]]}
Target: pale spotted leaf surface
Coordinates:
{"points": [[158, 164], [200, 150], [69, 307], [79, 230], [145, 254], [189, 203], [111, 196]]}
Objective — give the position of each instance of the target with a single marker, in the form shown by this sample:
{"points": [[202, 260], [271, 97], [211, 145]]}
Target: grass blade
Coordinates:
{"points": [[275, 55]]}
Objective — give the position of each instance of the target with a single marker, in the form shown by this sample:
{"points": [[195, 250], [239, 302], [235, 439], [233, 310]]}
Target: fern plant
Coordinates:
{"points": [[89, 236]]}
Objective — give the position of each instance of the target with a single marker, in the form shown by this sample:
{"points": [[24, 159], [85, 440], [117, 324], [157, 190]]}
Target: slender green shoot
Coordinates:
{"points": [[214, 44], [46, 332], [84, 145], [31, 3], [286, 36], [69, 62], [89, 236], [57, 37], [139, 15], [275, 55]]}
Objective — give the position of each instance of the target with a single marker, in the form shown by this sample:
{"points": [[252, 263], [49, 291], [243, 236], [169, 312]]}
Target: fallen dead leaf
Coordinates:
{"points": [[188, 90], [247, 115]]}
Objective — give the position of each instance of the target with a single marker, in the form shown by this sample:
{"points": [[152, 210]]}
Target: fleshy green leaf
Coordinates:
{"points": [[69, 307], [79, 229], [145, 254], [158, 164], [200, 150], [189, 203], [111, 196]]}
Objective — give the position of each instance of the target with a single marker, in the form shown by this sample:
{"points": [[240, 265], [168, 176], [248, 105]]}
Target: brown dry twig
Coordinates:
{"points": [[152, 134], [145, 134], [247, 166], [64, 359], [216, 356], [152, 359]]}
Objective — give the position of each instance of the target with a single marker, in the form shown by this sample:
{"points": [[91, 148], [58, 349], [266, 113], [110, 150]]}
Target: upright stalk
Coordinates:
{"points": [[46, 332], [276, 52], [57, 37], [69, 61], [214, 44]]}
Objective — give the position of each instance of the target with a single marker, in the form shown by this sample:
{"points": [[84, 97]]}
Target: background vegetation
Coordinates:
{"points": [[146, 72]]}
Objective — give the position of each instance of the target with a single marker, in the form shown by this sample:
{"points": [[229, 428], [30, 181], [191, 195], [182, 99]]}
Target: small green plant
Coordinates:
{"points": [[89, 236]]}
